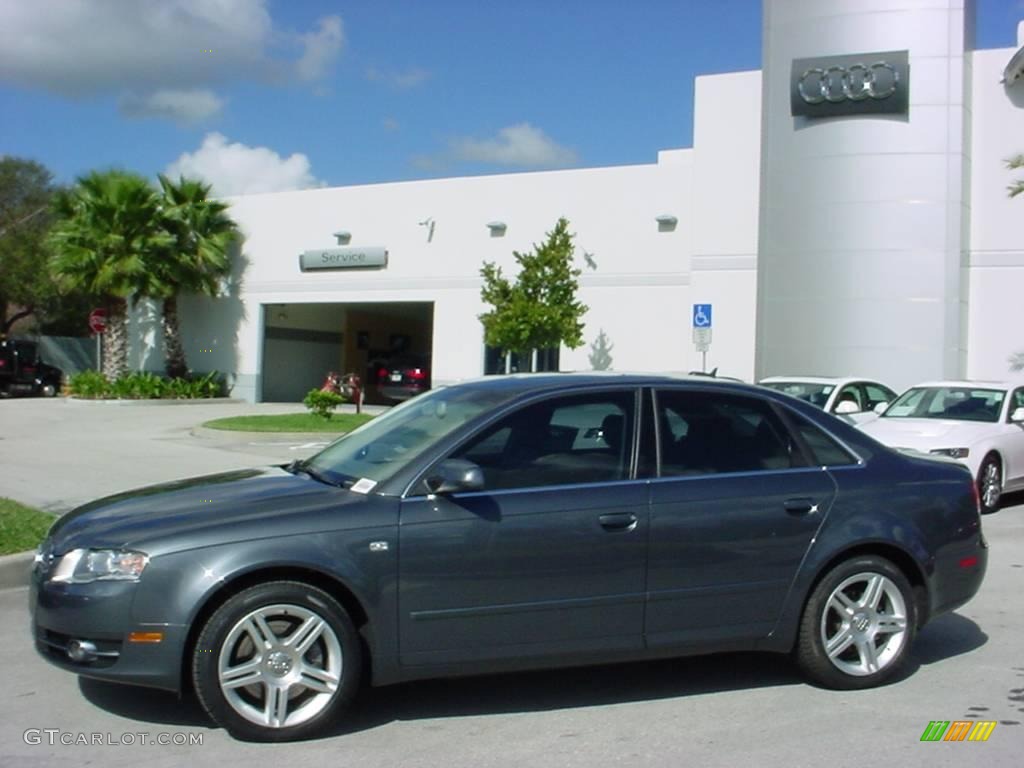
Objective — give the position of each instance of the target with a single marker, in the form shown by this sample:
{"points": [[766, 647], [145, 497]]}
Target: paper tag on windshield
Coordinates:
{"points": [[363, 485]]}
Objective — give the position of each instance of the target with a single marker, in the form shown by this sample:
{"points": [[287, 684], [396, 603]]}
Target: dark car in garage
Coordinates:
{"points": [[512, 523]]}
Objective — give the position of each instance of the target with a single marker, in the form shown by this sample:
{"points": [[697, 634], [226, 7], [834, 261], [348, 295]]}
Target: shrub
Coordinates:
{"points": [[89, 384], [322, 403], [145, 386]]}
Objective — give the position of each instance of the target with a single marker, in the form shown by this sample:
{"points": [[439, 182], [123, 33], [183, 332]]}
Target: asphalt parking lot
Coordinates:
{"points": [[730, 710]]}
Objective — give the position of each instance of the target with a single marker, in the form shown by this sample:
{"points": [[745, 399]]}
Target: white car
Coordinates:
{"points": [[980, 424], [856, 399]]}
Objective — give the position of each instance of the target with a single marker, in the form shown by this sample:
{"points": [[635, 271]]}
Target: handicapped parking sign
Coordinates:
{"points": [[701, 315]]}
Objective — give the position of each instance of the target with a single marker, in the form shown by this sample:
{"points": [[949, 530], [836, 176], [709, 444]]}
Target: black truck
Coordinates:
{"points": [[22, 371]]}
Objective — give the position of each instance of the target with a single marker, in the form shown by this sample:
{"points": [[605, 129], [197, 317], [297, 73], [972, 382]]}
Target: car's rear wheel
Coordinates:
{"points": [[858, 625], [48, 390], [276, 662], [990, 484]]}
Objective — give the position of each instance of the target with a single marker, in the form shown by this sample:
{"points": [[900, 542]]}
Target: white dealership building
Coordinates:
{"points": [[844, 211]]}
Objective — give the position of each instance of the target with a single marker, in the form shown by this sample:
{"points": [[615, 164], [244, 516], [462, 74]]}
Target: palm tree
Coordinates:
{"points": [[198, 259], [107, 235]]}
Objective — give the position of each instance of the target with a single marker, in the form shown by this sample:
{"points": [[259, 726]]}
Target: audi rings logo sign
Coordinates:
{"points": [[857, 84]]}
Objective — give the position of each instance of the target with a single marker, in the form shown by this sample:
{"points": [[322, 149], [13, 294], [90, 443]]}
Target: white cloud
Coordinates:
{"points": [[183, 106], [321, 48], [139, 49], [520, 145], [238, 169], [410, 78]]}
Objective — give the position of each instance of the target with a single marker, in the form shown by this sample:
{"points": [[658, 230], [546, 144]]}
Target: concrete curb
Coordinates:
{"points": [[16, 569], [167, 401], [233, 435]]}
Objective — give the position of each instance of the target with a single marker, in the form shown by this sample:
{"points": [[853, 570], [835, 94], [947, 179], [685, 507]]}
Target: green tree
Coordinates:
{"points": [[539, 309], [198, 260], [26, 285], [108, 236]]}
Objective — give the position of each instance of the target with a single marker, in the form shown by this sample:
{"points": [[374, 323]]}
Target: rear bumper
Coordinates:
{"points": [[959, 572]]}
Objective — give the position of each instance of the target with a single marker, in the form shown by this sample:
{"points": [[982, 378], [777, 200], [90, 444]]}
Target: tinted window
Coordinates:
{"points": [[576, 439], [825, 451], [723, 433], [877, 394]]}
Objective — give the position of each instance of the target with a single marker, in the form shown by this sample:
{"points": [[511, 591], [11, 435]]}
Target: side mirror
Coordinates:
{"points": [[1017, 417], [844, 407], [455, 475], [880, 407]]}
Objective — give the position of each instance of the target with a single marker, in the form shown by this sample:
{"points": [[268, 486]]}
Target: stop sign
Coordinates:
{"points": [[98, 320]]}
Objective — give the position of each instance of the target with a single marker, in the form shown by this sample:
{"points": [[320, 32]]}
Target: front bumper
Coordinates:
{"points": [[98, 616]]}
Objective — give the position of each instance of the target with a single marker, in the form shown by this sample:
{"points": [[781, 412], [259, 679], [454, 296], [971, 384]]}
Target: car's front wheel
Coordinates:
{"points": [[990, 484], [277, 661], [858, 625]]}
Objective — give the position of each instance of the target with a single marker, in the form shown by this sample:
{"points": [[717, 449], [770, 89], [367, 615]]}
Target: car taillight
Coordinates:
{"points": [[417, 374], [382, 373]]}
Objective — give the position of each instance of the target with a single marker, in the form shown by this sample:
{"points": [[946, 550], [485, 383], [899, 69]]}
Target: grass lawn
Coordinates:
{"points": [[21, 527], [291, 422]]}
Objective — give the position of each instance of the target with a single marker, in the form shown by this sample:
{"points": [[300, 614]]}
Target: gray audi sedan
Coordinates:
{"points": [[514, 523]]}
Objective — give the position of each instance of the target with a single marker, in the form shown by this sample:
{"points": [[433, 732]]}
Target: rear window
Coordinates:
{"points": [[825, 451]]}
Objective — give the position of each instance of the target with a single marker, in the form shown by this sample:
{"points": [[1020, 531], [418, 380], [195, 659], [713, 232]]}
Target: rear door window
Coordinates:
{"points": [[715, 433]]}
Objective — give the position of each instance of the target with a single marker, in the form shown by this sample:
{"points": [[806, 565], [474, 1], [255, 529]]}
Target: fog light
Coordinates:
{"points": [[81, 650], [969, 562], [145, 637]]}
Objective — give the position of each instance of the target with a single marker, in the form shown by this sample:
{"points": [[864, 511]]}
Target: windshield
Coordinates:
{"points": [[815, 394], [387, 444], [959, 403]]}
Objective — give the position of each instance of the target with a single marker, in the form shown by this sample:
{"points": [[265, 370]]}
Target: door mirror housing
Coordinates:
{"points": [[1017, 416], [880, 407], [454, 476], [844, 407]]}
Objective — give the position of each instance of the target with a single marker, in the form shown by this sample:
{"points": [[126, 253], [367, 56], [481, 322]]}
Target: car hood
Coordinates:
{"points": [[925, 434], [252, 502]]}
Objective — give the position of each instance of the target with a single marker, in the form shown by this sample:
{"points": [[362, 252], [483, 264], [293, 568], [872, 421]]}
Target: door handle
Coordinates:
{"points": [[800, 506], [618, 521]]}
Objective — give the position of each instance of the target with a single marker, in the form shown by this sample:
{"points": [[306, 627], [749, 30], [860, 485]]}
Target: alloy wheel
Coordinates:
{"points": [[990, 484], [280, 665], [864, 624]]}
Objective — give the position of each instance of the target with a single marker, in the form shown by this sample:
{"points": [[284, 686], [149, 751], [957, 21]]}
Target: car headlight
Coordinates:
{"points": [[953, 453], [80, 566]]}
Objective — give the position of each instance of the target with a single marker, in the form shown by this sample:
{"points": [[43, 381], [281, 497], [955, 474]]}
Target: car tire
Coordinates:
{"points": [[307, 672], [48, 390], [858, 625], [990, 484]]}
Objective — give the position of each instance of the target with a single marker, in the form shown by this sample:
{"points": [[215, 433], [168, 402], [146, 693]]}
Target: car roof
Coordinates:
{"points": [[535, 382], [836, 381], [967, 384]]}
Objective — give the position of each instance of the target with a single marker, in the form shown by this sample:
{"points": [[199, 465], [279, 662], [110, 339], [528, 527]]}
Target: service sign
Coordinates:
{"points": [[854, 84], [346, 257]]}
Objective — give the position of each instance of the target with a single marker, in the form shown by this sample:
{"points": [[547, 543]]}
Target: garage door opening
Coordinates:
{"points": [[302, 343]]}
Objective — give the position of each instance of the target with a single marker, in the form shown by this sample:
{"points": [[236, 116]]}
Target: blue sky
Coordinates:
{"points": [[260, 95]]}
